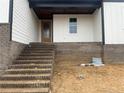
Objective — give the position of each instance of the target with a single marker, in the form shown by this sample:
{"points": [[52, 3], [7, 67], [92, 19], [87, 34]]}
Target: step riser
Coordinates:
{"points": [[39, 48], [42, 59], [24, 92], [29, 52], [49, 55], [37, 57], [31, 67], [29, 72], [41, 44], [42, 85], [25, 78], [33, 62]]}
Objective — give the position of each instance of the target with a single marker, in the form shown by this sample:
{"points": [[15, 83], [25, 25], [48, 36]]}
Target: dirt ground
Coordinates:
{"points": [[69, 77]]}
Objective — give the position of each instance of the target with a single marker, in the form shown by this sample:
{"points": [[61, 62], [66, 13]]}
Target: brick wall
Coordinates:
{"points": [[9, 50], [83, 52], [113, 54], [77, 53]]}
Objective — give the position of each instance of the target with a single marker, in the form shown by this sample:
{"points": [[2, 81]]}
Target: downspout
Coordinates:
{"points": [[11, 17], [103, 31], [103, 25]]}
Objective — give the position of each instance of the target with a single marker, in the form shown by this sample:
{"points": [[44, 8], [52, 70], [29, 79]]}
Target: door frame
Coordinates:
{"points": [[47, 20]]}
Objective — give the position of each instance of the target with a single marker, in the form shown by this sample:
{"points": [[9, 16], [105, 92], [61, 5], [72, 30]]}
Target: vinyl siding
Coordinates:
{"points": [[86, 30], [114, 22], [25, 23], [4, 11], [97, 26]]}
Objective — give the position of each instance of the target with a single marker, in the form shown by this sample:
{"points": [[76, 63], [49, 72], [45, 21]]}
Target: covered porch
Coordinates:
{"points": [[56, 25]]}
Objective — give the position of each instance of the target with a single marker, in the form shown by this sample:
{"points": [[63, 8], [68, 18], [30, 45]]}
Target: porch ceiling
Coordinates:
{"points": [[46, 8]]}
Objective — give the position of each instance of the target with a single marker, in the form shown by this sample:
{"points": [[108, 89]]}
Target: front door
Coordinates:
{"points": [[46, 31]]}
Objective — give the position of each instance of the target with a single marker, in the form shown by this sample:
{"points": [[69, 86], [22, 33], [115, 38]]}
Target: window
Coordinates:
{"points": [[122, 17], [73, 25]]}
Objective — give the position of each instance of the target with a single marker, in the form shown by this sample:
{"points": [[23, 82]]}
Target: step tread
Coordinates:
{"points": [[39, 55], [30, 58], [40, 52], [31, 65], [34, 75], [26, 90], [35, 60], [36, 69], [21, 63], [35, 57], [39, 48], [25, 82]]}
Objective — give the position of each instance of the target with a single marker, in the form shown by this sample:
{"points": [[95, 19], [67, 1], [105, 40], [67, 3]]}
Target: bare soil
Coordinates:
{"points": [[69, 77]]}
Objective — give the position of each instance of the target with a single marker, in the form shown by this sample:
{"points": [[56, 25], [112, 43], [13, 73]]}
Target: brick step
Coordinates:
{"points": [[43, 44], [28, 71], [30, 58], [24, 90], [31, 66], [25, 84], [45, 48], [33, 62], [35, 57], [41, 47], [9, 77], [37, 54], [40, 51]]}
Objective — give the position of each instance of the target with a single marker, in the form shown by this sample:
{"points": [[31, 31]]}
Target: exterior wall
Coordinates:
{"points": [[9, 50], [83, 52], [97, 26], [114, 22], [25, 23], [77, 53], [4, 11], [84, 28], [113, 53], [40, 34]]}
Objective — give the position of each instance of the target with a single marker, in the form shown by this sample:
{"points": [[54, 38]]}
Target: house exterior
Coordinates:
{"points": [[61, 21]]}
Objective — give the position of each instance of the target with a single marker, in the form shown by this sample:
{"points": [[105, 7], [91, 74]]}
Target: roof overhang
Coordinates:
{"points": [[45, 8]]}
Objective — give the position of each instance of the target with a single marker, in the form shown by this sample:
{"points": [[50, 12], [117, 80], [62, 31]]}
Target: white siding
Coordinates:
{"points": [[40, 34], [4, 11], [97, 26], [25, 23], [84, 28], [114, 22]]}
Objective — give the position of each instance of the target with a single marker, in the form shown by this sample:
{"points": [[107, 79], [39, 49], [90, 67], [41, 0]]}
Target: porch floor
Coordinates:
{"points": [[69, 77]]}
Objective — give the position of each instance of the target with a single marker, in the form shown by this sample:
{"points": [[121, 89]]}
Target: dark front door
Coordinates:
{"points": [[46, 31]]}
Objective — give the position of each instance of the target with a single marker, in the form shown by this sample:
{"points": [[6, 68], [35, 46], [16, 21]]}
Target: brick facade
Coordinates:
{"points": [[83, 52], [9, 50], [77, 53], [113, 54]]}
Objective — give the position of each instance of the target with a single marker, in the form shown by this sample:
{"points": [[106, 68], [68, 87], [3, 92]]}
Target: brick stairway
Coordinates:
{"points": [[31, 72]]}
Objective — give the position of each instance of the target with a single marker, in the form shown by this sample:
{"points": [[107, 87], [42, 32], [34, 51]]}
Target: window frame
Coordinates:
{"points": [[73, 25]]}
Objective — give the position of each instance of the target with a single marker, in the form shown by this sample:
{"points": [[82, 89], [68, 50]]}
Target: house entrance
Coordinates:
{"points": [[47, 33]]}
